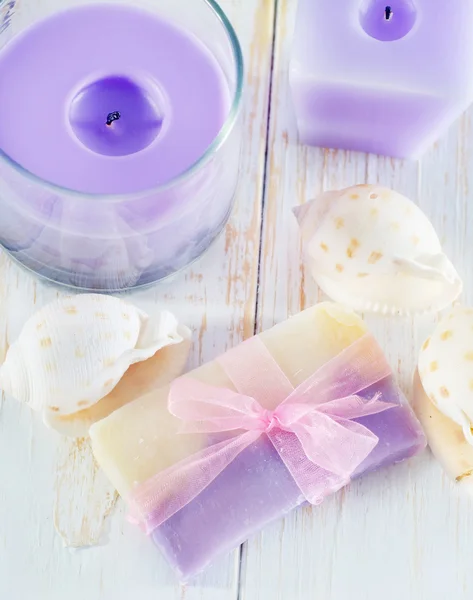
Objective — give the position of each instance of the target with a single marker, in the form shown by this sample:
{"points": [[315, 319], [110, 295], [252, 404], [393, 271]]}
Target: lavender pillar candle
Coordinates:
{"points": [[381, 76], [118, 146]]}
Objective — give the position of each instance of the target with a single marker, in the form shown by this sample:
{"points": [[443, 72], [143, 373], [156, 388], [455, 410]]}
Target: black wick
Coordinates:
{"points": [[113, 116], [388, 13]]}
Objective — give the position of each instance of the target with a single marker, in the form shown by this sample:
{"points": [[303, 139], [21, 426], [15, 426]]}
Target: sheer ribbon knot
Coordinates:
{"points": [[312, 427]]}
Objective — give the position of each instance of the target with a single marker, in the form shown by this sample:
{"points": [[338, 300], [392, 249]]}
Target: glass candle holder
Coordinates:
{"points": [[119, 136]]}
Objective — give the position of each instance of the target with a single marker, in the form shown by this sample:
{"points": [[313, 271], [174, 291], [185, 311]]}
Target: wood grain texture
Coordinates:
{"points": [[47, 481], [404, 532], [84, 497]]}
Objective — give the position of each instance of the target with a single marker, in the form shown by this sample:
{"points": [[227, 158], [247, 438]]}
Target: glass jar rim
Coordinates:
{"points": [[217, 143]]}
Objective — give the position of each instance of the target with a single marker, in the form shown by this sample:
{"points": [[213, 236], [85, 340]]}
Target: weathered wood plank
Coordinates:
{"points": [[400, 533], [45, 479]]}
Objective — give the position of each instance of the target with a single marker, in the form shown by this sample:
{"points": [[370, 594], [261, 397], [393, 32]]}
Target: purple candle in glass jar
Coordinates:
{"points": [[124, 122]]}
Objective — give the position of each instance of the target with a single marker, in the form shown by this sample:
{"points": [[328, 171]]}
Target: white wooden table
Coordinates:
{"points": [[401, 534]]}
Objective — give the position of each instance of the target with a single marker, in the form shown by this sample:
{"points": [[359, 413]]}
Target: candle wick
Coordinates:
{"points": [[113, 116], [388, 13]]}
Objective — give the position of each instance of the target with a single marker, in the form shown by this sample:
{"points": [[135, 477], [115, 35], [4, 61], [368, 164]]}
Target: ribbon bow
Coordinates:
{"points": [[312, 427]]}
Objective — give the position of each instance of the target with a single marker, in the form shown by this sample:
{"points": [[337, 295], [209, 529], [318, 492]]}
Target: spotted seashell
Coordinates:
{"points": [[140, 379], [373, 249], [446, 368], [446, 439], [73, 352]]}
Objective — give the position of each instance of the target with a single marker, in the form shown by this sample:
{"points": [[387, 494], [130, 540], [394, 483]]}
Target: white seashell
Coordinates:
{"points": [[374, 250], [74, 351], [446, 368], [446, 439], [140, 379]]}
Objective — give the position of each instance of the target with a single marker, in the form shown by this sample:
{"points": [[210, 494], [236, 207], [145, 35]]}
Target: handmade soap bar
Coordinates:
{"points": [[140, 440], [381, 77]]}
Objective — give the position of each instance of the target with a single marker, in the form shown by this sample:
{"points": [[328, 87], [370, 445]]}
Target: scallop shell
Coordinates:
{"points": [[373, 249], [446, 368], [72, 353]]}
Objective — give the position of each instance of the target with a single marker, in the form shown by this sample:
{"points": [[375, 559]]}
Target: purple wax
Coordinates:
{"points": [[136, 120], [380, 76], [386, 21], [256, 488], [118, 132], [62, 77]]}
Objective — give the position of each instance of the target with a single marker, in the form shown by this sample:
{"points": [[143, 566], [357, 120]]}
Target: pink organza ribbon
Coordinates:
{"points": [[311, 427]]}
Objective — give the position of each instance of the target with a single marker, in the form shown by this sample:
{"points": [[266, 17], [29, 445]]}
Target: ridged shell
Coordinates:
{"points": [[140, 379], [74, 351], [373, 249], [446, 368]]}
